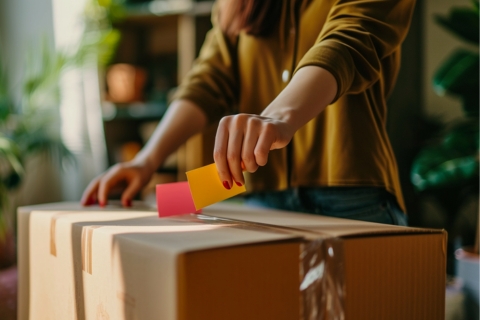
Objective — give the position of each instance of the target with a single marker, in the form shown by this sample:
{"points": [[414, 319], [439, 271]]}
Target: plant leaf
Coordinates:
{"points": [[463, 137], [463, 22], [459, 75], [10, 152], [437, 167]]}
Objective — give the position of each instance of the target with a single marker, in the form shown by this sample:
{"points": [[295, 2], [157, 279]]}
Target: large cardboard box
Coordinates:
{"points": [[232, 262]]}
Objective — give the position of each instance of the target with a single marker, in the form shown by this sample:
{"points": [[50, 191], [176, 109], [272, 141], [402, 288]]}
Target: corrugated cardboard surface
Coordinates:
{"points": [[403, 279], [132, 265], [236, 283], [23, 242]]}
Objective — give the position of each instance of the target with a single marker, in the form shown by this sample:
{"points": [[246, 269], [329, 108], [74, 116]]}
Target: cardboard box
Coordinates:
{"points": [[231, 262], [23, 242]]}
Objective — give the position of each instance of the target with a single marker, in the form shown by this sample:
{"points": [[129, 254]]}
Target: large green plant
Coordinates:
{"points": [[29, 124], [454, 159]]}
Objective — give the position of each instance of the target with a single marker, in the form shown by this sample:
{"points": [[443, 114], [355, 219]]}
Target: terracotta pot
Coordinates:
{"points": [[125, 83]]}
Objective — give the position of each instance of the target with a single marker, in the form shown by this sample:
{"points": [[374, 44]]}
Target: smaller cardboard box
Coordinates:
{"points": [[232, 262], [23, 240]]}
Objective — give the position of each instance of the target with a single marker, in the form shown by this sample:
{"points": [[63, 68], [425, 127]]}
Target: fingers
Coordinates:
{"points": [[242, 143], [89, 196], [249, 162], [108, 181], [133, 188], [220, 153], [130, 178], [263, 146], [234, 156], [118, 175]]}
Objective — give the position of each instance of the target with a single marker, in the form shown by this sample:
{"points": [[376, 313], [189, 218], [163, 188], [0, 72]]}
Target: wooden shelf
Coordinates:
{"points": [[162, 37], [158, 8], [134, 111]]}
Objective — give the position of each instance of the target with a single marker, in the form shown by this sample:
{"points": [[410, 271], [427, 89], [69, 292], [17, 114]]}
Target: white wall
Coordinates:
{"points": [[439, 44], [23, 23]]}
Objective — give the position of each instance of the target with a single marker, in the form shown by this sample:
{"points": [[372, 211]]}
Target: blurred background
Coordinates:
{"points": [[83, 84]]}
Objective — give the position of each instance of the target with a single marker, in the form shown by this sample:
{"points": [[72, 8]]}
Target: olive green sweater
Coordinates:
{"points": [[358, 41]]}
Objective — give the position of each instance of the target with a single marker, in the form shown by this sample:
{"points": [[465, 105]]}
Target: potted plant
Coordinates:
{"points": [[28, 127], [448, 168]]}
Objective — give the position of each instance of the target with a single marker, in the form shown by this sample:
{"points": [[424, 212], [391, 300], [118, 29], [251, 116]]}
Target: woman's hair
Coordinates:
{"points": [[255, 17]]}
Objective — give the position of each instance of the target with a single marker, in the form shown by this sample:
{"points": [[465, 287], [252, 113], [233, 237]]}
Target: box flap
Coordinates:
{"points": [[327, 226], [76, 206], [174, 235]]}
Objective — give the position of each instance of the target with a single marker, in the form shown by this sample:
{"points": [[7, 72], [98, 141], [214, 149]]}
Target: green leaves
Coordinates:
{"points": [[459, 75], [463, 22], [11, 164], [30, 125], [40, 86], [100, 45], [100, 37], [436, 168], [455, 160], [452, 162], [5, 104]]}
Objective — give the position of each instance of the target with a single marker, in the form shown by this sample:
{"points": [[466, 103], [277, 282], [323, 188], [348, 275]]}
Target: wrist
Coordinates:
{"points": [[146, 162], [309, 92], [284, 114]]}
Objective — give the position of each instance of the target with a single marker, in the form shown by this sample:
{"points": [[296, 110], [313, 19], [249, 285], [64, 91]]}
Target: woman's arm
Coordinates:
{"points": [[249, 138], [206, 93], [182, 120]]}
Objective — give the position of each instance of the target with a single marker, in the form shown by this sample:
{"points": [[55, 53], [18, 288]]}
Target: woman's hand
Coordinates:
{"points": [[247, 138], [135, 175], [182, 120]]}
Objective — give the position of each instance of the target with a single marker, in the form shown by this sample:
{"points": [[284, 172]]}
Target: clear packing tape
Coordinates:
{"points": [[321, 265]]}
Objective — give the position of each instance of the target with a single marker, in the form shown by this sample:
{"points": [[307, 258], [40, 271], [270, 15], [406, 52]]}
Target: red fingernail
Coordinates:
{"points": [[102, 204], [226, 185], [89, 202], [128, 203], [238, 183]]}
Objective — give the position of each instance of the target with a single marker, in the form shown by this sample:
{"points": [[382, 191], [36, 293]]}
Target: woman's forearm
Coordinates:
{"points": [[182, 120], [309, 92], [249, 138]]}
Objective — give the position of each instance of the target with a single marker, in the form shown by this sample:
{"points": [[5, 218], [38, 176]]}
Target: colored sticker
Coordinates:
{"points": [[174, 199], [206, 187]]}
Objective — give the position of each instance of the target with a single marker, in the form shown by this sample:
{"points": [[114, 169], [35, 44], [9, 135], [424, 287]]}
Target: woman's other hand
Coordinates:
{"points": [[182, 120], [135, 175]]}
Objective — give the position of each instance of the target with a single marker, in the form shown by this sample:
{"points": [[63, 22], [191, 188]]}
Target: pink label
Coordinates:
{"points": [[174, 199]]}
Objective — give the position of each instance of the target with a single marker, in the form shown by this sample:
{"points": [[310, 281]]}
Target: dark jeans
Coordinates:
{"points": [[359, 203]]}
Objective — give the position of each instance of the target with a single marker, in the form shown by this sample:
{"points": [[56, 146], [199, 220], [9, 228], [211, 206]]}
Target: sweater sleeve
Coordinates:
{"points": [[212, 82], [357, 35]]}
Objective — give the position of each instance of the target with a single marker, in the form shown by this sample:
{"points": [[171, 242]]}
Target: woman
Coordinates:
{"points": [[300, 89]]}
